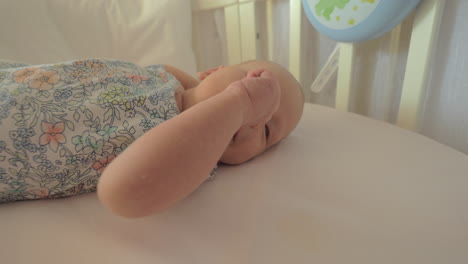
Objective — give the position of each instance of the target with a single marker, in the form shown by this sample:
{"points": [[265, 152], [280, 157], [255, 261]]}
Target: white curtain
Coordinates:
{"points": [[375, 92]]}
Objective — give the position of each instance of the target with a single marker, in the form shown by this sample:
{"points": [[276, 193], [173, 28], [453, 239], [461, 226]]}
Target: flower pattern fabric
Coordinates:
{"points": [[62, 124]]}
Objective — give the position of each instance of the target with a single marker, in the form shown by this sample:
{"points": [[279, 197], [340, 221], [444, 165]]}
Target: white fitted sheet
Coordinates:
{"points": [[341, 189]]}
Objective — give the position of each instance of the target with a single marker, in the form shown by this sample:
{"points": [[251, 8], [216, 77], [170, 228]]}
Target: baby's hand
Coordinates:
{"points": [[262, 93]]}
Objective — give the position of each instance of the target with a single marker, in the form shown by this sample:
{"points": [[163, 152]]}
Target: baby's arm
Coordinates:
{"points": [[170, 161]]}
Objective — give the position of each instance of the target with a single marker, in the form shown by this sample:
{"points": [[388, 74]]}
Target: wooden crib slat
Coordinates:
{"points": [[269, 28], [389, 85], [345, 74], [423, 38], [248, 31], [295, 31], [233, 35]]}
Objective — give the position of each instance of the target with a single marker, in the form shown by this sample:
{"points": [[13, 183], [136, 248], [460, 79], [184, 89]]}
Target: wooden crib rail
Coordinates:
{"points": [[203, 5]]}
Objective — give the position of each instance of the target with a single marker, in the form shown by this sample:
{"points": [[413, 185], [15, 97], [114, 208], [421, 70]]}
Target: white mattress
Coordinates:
{"points": [[341, 189]]}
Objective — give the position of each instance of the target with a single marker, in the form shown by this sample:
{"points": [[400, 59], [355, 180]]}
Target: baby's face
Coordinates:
{"points": [[249, 142]]}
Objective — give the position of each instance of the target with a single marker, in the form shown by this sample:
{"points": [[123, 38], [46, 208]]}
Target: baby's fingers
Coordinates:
{"points": [[203, 75], [264, 93], [256, 73]]}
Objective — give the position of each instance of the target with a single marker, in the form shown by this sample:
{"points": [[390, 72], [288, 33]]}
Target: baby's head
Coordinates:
{"points": [[249, 142]]}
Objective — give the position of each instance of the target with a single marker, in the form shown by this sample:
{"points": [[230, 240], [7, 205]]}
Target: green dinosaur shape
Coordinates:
{"points": [[326, 7]]}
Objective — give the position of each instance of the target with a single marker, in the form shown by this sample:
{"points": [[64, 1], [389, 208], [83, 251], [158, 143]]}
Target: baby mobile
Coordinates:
{"points": [[350, 21]]}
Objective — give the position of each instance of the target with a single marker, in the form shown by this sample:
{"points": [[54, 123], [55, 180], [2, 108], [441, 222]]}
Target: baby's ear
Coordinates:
{"points": [[203, 75]]}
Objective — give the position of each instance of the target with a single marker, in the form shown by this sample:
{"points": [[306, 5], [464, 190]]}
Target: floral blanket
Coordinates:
{"points": [[61, 124]]}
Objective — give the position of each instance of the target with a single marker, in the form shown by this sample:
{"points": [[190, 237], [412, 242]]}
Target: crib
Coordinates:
{"points": [[342, 188]]}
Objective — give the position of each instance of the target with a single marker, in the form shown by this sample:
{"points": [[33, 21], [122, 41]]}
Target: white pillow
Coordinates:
{"points": [[140, 31]]}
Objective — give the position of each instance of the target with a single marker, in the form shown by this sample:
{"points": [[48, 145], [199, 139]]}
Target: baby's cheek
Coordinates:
{"points": [[245, 151]]}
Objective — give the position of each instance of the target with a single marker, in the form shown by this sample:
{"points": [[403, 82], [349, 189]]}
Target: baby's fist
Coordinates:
{"points": [[261, 92]]}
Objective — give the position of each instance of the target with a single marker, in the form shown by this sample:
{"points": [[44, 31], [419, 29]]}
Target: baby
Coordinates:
{"points": [[67, 128]]}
